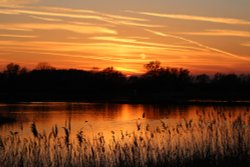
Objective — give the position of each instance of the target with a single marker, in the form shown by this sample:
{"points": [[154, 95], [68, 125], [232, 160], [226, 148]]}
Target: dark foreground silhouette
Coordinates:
{"points": [[158, 84], [216, 141]]}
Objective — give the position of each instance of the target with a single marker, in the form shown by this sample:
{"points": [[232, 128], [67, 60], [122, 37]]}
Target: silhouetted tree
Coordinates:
{"points": [[202, 79], [153, 66], [111, 78], [23, 71], [46, 83], [227, 82], [44, 66], [12, 69], [184, 75]]}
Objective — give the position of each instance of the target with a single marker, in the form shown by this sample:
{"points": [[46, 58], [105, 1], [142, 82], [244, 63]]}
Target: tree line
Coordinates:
{"points": [[157, 84]]}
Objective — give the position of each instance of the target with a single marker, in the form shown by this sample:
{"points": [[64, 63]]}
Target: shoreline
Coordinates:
{"points": [[205, 102]]}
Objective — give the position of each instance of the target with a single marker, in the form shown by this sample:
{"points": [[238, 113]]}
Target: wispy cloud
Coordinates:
{"points": [[103, 53], [53, 14], [113, 39], [118, 49], [3, 27], [78, 14], [135, 41], [44, 13], [46, 18], [199, 44], [81, 56], [8, 12], [65, 10], [74, 46], [66, 27], [127, 70], [17, 36], [130, 23], [246, 44], [16, 2], [139, 24], [222, 20], [125, 17], [139, 37], [101, 14], [233, 33]]}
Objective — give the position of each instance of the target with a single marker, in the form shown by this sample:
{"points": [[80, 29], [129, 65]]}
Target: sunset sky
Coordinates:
{"points": [[201, 35]]}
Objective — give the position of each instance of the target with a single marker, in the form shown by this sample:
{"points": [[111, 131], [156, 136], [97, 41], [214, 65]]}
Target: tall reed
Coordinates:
{"points": [[215, 139]]}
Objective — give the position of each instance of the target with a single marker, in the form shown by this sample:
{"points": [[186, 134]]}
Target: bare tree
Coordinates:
{"points": [[44, 66], [153, 66], [12, 69]]}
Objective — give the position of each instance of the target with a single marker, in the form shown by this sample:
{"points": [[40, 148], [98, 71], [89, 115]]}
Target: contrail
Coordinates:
{"points": [[197, 44]]}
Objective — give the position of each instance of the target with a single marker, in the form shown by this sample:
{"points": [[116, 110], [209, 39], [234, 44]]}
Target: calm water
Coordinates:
{"points": [[93, 117]]}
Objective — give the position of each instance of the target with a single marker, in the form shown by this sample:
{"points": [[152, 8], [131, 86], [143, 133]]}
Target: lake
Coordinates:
{"points": [[99, 134], [98, 117]]}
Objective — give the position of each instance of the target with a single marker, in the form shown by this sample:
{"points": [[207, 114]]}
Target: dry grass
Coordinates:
{"points": [[215, 139]]}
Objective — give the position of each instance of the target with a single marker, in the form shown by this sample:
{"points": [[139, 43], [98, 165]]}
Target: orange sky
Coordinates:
{"points": [[203, 37]]}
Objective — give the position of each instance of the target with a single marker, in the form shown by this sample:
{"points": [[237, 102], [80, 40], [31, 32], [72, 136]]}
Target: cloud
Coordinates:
{"points": [[67, 15], [66, 27], [68, 10], [17, 36], [124, 53], [150, 44], [78, 14], [2, 27], [138, 24], [16, 2], [46, 18], [233, 33], [130, 23], [124, 17], [121, 51], [81, 11], [84, 57], [222, 20], [56, 14], [109, 39], [246, 44], [74, 46], [8, 12], [199, 45], [128, 70]]}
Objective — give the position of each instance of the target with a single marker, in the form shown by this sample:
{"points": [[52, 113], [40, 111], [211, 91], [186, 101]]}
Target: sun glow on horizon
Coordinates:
{"points": [[84, 36]]}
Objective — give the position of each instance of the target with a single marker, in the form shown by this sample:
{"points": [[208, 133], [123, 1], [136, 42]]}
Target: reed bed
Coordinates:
{"points": [[215, 139]]}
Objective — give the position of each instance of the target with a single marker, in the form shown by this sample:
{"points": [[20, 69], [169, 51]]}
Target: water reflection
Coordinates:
{"points": [[94, 118], [148, 135]]}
